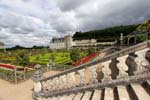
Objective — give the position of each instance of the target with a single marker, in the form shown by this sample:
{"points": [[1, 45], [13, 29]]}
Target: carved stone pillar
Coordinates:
{"points": [[37, 87], [106, 71], [44, 86], [82, 76], [141, 61], [49, 85], [36, 78], [93, 74], [122, 66], [63, 82], [71, 80], [56, 83]]}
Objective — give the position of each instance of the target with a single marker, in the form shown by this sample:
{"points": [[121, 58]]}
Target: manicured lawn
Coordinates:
{"points": [[60, 58], [39, 57]]}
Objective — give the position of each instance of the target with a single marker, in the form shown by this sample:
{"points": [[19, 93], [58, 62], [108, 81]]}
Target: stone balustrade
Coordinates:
{"points": [[123, 68], [106, 71], [141, 61], [93, 74], [81, 76], [68, 80]]}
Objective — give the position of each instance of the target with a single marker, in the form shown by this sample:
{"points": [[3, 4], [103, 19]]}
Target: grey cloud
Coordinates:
{"points": [[114, 13], [18, 31], [63, 22], [67, 5], [28, 28]]}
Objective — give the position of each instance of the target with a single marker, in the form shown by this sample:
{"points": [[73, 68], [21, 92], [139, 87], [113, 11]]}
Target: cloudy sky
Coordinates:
{"points": [[34, 22]]}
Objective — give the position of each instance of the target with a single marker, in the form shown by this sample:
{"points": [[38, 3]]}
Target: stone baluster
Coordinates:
{"points": [[63, 82], [121, 65], [93, 74], [82, 76], [44, 86], [71, 79], [106, 71], [56, 83], [49, 85], [36, 78], [37, 87], [141, 61]]}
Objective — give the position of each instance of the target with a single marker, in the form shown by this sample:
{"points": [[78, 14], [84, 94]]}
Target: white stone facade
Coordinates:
{"points": [[62, 43], [2, 45], [67, 43]]}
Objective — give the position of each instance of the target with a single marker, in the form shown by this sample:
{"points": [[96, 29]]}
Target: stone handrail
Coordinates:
{"points": [[102, 85], [111, 56]]}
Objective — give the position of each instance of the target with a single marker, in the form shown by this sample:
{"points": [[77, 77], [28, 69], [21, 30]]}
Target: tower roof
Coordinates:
{"points": [[1, 43]]}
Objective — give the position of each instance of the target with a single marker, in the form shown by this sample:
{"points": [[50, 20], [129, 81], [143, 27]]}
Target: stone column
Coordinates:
{"points": [[37, 87], [122, 66], [93, 74], [82, 76], [106, 71], [36, 78], [141, 61], [121, 39], [128, 38], [134, 39], [71, 80]]}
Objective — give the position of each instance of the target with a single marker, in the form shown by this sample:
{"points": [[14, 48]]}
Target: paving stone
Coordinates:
{"points": [[97, 95], [87, 95], [123, 93], [140, 92]]}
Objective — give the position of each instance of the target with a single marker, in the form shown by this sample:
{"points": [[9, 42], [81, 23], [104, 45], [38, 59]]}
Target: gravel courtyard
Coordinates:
{"points": [[21, 91]]}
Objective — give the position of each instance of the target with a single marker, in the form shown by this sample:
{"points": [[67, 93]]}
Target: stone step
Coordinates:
{"points": [[64, 97], [130, 92], [123, 93], [97, 95], [109, 95], [140, 92], [87, 95], [67, 97], [78, 96]]}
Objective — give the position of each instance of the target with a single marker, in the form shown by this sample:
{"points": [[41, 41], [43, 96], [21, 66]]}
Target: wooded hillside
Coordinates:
{"points": [[108, 34]]}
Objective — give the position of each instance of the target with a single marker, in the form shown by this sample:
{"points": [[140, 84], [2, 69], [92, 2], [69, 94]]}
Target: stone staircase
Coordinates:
{"points": [[123, 75], [129, 92]]}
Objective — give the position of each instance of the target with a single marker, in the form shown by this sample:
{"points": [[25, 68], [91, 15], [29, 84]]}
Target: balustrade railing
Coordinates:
{"points": [[75, 79]]}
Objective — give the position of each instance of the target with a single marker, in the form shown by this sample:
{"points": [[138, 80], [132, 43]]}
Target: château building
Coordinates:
{"points": [[2, 45], [62, 43], [67, 43]]}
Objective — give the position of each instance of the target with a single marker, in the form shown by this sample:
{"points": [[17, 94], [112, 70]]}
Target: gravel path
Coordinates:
{"points": [[21, 91]]}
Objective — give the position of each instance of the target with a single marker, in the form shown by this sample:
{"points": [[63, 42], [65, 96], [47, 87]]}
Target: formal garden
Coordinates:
{"points": [[19, 64]]}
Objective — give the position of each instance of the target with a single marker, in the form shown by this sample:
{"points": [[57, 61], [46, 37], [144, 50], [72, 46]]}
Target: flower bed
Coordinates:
{"points": [[7, 66], [85, 59]]}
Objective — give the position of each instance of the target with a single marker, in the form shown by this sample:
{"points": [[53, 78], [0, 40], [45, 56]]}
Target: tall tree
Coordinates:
{"points": [[22, 58], [91, 50], [75, 54]]}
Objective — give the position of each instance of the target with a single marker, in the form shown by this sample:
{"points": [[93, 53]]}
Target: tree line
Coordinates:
{"points": [[108, 34]]}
